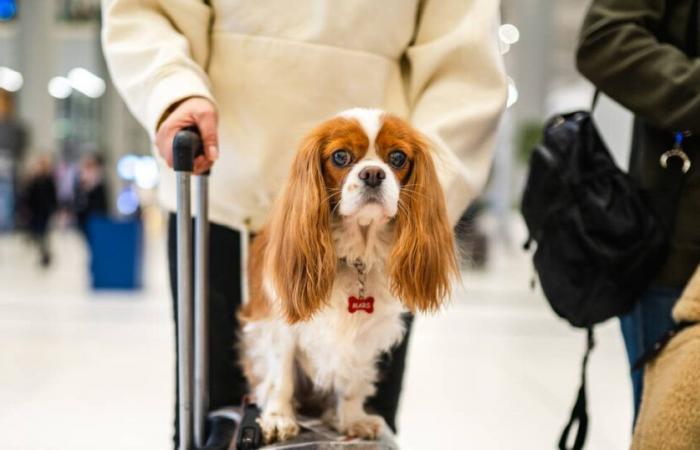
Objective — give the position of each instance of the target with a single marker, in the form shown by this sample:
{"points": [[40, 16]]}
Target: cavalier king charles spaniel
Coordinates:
{"points": [[359, 235]]}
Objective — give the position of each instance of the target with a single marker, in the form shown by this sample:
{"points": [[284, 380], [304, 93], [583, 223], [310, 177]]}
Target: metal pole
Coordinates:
{"points": [[201, 296], [184, 307]]}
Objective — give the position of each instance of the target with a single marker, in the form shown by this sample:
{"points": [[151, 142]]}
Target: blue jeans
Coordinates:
{"points": [[644, 326]]}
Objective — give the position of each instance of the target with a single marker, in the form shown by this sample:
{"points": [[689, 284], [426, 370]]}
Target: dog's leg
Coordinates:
{"points": [[277, 420], [351, 418]]}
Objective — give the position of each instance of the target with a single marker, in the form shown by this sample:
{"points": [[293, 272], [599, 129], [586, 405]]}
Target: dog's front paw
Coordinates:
{"points": [[277, 427], [367, 426]]}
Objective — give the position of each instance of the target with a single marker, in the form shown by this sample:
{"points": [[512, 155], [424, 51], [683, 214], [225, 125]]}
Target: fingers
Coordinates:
{"points": [[193, 111], [211, 152], [201, 165], [207, 122]]}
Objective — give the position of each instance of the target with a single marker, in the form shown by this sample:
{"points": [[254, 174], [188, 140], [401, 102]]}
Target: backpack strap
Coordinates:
{"points": [[594, 101], [579, 413]]}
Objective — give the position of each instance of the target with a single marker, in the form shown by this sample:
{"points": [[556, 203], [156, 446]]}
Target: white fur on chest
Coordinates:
{"points": [[337, 346]]}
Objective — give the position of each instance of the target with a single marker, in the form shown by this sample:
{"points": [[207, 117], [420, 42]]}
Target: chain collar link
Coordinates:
{"points": [[360, 267]]}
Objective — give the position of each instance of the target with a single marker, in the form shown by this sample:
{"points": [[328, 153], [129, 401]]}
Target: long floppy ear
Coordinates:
{"points": [[423, 261], [300, 259]]}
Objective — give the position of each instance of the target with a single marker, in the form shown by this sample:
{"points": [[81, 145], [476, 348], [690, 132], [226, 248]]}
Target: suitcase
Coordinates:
{"points": [[191, 328]]}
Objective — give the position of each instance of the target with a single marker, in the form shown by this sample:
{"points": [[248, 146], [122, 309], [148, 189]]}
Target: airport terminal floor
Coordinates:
{"points": [[496, 370]]}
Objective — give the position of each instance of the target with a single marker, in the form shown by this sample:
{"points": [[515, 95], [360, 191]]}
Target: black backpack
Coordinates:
{"points": [[599, 240]]}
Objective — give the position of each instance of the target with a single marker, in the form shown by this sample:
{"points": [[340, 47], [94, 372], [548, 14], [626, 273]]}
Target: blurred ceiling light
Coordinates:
{"points": [[504, 47], [143, 170], [59, 87], [88, 83], [509, 33], [127, 202], [10, 80], [146, 173], [512, 93], [126, 167]]}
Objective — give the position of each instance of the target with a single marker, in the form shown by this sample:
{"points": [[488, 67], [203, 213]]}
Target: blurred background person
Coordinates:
{"points": [[90, 191], [39, 204], [644, 54], [13, 139]]}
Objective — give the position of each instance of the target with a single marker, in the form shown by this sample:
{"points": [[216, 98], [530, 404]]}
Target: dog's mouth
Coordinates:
{"points": [[372, 196], [368, 203], [373, 208]]}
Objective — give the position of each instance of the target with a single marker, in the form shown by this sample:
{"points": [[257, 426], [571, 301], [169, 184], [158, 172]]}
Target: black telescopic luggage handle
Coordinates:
{"points": [[192, 315], [187, 145]]}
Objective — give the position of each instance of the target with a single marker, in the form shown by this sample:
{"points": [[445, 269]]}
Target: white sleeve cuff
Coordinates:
{"points": [[170, 89]]}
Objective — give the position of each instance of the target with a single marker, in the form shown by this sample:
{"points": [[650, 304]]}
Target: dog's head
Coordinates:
{"points": [[361, 166]]}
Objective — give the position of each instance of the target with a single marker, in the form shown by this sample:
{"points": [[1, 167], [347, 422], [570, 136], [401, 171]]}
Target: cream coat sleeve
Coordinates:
{"points": [[457, 91], [157, 52]]}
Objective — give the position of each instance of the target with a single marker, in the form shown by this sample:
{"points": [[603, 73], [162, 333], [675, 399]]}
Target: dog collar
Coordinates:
{"points": [[360, 303]]}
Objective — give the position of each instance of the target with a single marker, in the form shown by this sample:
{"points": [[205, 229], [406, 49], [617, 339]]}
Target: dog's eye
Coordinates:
{"points": [[397, 159], [341, 158]]}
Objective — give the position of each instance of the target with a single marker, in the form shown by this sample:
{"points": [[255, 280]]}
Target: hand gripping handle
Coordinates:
{"points": [[187, 144]]}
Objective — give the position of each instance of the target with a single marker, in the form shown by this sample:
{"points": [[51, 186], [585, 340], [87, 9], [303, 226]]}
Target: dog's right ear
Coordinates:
{"points": [[300, 259]]}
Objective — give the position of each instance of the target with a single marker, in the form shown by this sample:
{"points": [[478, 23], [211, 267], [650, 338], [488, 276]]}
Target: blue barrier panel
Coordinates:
{"points": [[116, 250]]}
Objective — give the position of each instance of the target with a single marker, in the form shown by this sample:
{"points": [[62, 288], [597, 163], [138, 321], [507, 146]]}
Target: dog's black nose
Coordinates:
{"points": [[372, 176]]}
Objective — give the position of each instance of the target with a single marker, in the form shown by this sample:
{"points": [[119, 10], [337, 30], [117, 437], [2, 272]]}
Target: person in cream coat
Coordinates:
{"points": [[254, 76]]}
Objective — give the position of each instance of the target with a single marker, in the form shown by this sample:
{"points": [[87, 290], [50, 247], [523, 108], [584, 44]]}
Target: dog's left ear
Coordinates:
{"points": [[300, 258], [423, 260]]}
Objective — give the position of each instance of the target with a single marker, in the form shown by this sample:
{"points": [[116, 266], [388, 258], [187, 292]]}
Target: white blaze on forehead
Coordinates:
{"points": [[370, 120]]}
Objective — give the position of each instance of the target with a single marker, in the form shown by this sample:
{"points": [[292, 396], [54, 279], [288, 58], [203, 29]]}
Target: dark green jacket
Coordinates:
{"points": [[636, 52]]}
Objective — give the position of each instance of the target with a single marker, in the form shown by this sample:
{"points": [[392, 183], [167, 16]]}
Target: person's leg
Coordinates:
{"points": [[657, 304], [644, 326], [39, 237], [227, 384], [633, 335], [44, 249], [391, 368]]}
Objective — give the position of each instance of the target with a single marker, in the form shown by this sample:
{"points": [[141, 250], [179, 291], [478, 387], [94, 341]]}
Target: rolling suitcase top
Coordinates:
{"points": [[314, 435], [192, 325]]}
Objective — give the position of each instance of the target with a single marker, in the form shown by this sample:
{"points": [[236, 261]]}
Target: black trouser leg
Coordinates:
{"points": [[227, 384], [391, 368], [41, 238]]}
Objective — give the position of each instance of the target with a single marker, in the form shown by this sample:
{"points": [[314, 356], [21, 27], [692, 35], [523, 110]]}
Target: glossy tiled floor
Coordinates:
{"points": [[80, 370]]}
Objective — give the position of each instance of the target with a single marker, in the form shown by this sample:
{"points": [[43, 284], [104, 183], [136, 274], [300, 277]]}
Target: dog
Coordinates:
{"points": [[359, 235]]}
